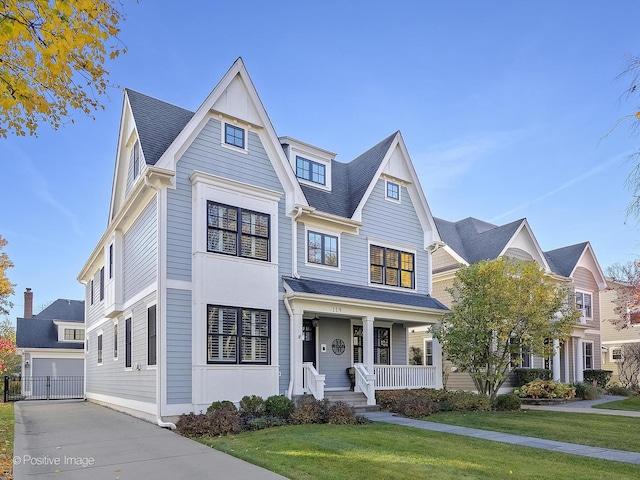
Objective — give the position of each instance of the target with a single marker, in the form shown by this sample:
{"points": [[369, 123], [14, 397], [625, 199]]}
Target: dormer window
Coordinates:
{"points": [[234, 136], [309, 170], [74, 334]]}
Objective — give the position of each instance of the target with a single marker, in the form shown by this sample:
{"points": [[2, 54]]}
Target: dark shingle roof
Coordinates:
{"points": [[349, 181], [63, 309], [475, 240], [158, 123], [39, 333], [344, 290], [563, 260]]}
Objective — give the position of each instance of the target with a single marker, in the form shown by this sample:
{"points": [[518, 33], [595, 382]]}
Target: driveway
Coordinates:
{"points": [[80, 440]]}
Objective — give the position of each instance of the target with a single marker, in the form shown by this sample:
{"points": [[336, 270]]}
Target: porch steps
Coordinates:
{"points": [[356, 399]]}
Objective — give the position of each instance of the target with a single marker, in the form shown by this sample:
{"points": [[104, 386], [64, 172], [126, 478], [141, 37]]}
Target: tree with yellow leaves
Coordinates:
{"points": [[6, 287], [52, 54]]}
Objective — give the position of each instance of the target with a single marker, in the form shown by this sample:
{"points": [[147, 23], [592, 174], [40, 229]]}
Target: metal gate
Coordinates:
{"points": [[43, 388]]}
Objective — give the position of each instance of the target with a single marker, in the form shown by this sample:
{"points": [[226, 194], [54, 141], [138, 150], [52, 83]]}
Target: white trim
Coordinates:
{"points": [[227, 185], [592, 331], [424, 354], [539, 253], [127, 307], [100, 351], [583, 353], [145, 407], [620, 342], [611, 359], [224, 121], [179, 284], [322, 231], [584, 319], [401, 249], [386, 191]]}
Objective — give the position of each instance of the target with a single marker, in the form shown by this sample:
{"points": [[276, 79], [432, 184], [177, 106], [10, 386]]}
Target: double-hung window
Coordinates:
{"points": [[583, 303], [392, 267], [102, 284], [237, 231], [151, 335], [587, 353], [381, 345], [616, 354], [322, 249], [127, 343], [115, 341], [234, 136], [238, 335], [309, 170], [99, 348], [520, 354], [428, 353]]}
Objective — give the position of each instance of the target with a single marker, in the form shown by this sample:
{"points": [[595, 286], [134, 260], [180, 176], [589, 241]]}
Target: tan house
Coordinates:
{"points": [[471, 240], [613, 340]]}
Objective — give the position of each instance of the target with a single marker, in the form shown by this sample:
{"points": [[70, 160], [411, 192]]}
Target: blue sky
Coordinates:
{"points": [[504, 106]]}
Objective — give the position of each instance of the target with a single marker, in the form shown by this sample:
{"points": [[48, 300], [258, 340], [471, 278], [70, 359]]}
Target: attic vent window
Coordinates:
{"points": [[310, 170], [234, 136], [135, 159], [393, 191]]}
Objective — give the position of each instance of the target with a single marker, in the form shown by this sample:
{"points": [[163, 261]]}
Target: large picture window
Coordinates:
{"points": [[238, 335], [392, 267], [322, 249], [236, 231], [381, 345]]}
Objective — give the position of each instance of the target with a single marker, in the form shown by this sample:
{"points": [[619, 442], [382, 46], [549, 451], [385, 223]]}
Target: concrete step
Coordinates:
{"points": [[356, 399]]}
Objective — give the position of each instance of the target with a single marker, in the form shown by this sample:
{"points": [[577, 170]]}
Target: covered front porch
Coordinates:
{"points": [[346, 337]]}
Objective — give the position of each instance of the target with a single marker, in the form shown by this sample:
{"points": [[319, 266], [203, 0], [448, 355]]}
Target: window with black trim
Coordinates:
{"points": [[99, 348], [583, 303], [322, 249], [135, 159], [91, 294], [111, 261], [151, 335], [238, 335], [393, 191], [381, 345], [234, 135], [310, 170], [616, 354], [73, 334], [520, 355], [102, 284], [127, 343], [115, 341], [392, 267], [237, 231]]}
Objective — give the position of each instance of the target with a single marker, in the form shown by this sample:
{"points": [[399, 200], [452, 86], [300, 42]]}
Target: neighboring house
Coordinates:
{"points": [[236, 262], [613, 340], [471, 240], [51, 343]]}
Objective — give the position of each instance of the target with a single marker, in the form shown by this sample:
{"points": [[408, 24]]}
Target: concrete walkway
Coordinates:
{"points": [[586, 406], [79, 440], [562, 447]]}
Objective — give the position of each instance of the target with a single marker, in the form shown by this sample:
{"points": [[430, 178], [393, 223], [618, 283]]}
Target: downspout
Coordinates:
{"points": [[160, 302], [291, 333], [294, 241]]}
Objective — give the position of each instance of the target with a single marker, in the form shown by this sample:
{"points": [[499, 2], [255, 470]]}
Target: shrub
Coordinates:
{"points": [[340, 413], [310, 410], [224, 404], [279, 405], [601, 377], [587, 391], [545, 389], [526, 375], [617, 389], [222, 421], [507, 402], [266, 421], [252, 405], [417, 407], [461, 401], [391, 400], [192, 425]]}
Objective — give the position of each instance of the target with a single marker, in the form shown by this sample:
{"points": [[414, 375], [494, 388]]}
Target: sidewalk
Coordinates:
{"points": [[585, 406], [562, 447], [78, 440]]}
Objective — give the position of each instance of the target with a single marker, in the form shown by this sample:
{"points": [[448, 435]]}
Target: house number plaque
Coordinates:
{"points": [[338, 346]]}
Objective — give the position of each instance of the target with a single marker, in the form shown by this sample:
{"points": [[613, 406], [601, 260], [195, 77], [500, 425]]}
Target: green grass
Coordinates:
{"points": [[606, 431], [384, 451], [630, 404], [6, 439]]}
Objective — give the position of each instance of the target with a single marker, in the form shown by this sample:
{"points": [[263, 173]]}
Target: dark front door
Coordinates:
{"points": [[308, 342]]}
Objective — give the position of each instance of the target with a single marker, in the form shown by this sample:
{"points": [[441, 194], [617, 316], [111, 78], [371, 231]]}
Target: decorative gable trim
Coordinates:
{"points": [[589, 261], [413, 187], [538, 254]]}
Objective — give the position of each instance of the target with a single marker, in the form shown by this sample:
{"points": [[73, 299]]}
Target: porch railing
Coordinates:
{"points": [[365, 383], [313, 381], [391, 377]]}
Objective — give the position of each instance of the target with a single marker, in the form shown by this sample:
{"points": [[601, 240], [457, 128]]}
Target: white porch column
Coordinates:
{"points": [[579, 362], [556, 360], [437, 361], [566, 362], [296, 352], [367, 340]]}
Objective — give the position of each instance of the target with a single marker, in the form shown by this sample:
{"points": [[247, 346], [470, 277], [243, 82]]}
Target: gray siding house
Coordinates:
{"points": [[236, 262]]}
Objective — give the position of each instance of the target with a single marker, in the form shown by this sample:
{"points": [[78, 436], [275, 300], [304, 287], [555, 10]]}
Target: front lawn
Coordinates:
{"points": [[587, 429], [384, 451], [630, 404], [6, 440]]}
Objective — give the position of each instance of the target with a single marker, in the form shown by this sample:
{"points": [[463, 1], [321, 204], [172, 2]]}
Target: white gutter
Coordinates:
{"points": [[294, 239], [291, 334], [160, 304]]}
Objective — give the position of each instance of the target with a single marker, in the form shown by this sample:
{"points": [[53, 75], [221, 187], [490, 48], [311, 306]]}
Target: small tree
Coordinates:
{"points": [[501, 308], [629, 365], [6, 287], [9, 359]]}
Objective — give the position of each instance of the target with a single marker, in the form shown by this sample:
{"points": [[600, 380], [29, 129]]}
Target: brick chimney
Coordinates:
{"points": [[28, 303]]}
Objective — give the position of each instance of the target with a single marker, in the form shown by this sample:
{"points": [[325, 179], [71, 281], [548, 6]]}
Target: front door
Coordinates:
{"points": [[308, 342]]}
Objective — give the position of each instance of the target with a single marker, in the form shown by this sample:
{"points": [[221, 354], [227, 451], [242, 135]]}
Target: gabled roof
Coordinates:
{"points": [[349, 181], [475, 240], [40, 331], [344, 290], [158, 123], [564, 260], [63, 309]]}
